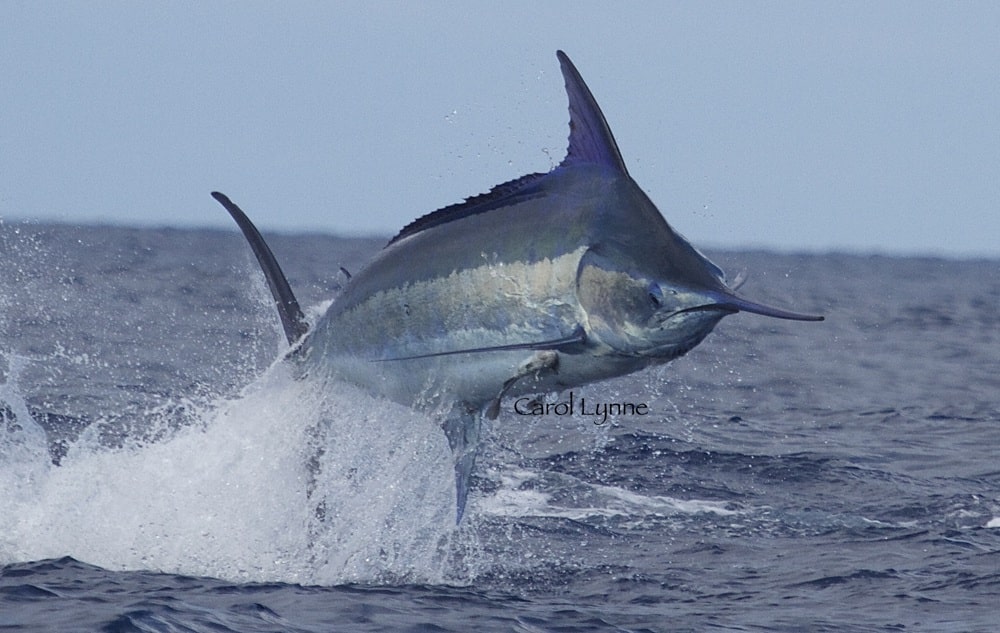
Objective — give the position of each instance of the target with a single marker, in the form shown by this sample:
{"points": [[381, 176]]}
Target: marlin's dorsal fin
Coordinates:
{"points": [[500, 196], [590, 138], [590, 141]]}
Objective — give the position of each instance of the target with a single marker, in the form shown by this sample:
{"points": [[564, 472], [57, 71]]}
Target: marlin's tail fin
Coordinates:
{"points": [[292, 319]]}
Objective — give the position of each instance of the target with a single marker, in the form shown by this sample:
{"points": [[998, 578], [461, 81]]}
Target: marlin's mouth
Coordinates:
{"points": [[708, 307]]}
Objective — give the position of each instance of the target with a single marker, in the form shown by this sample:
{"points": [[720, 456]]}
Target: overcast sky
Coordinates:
{"points": [[870, 126]]}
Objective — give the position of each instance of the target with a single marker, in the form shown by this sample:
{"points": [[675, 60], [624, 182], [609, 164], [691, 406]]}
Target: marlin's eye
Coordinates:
{"points": [[655, 295]]}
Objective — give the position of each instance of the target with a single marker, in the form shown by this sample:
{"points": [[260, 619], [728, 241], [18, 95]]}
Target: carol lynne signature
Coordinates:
{"points": [[598, 410]]}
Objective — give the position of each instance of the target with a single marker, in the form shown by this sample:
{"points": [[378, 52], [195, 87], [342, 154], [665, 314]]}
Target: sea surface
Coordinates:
{"points": [[160, 471]]}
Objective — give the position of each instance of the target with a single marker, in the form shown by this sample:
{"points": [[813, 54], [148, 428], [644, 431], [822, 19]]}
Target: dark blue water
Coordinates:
{"points": [[159, 473]]}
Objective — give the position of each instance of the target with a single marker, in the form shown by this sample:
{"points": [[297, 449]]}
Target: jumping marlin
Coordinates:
{"points": [[545, 283]]}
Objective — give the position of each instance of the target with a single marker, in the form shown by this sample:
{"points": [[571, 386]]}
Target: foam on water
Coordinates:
{"points": [[24, 458], [244, 493], [521, 495]]}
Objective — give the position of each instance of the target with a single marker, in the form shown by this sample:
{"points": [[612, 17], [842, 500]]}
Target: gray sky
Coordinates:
{"points": [[870, 127]]}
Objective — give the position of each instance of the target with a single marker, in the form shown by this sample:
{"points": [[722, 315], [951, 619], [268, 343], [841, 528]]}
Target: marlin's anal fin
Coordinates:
{"points": [[539, 361], [463, 426], [293, 321], [462, 430]]}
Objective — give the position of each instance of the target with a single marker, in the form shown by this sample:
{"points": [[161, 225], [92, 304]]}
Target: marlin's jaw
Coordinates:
{"points": [[680, 320], [689, 327], [673, 332], [630, 316]]}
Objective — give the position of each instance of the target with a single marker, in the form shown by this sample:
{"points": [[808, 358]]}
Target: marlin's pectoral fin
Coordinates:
{"points": [[539, 361], [577, 337]]}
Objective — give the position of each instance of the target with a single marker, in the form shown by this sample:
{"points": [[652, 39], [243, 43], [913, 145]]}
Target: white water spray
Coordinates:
{"points": [[244, 494]]}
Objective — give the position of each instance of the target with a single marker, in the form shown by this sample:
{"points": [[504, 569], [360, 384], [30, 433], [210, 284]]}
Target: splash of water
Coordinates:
{"points": [[289, 482]]}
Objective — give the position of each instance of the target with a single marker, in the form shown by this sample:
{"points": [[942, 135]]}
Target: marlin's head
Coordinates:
{"points": [[647, 292], [658, 305]]}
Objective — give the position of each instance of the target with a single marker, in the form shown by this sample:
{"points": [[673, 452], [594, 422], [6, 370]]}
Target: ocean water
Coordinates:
{"points": [[159, 471]]}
